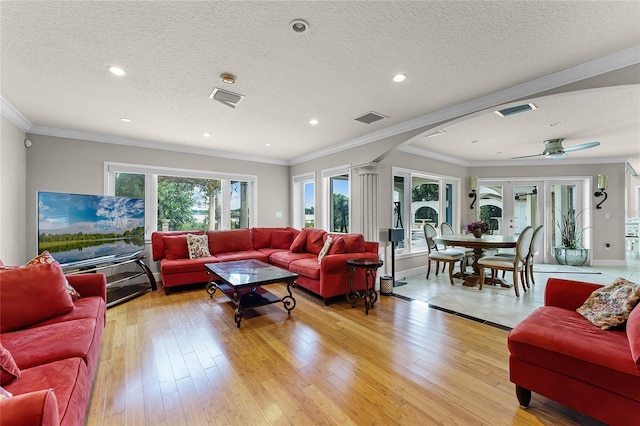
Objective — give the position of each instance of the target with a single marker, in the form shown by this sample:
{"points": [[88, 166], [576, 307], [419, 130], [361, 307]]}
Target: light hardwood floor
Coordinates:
{"points": [[180, 360]]}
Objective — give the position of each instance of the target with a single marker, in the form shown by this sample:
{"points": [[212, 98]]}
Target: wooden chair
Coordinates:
{"points": [[446, 229], [515, 264], [538, 233], [449, 256]]}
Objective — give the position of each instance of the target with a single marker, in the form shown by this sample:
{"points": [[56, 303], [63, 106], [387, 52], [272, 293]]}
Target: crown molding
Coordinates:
{"points": [[548, 162], [141, 143], [14, 115]]}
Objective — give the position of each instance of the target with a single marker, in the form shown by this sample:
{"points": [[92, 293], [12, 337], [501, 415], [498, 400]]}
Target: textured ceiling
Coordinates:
{"points": [[54, 58]]}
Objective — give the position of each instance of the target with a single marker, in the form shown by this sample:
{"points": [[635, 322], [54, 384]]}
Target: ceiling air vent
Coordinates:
{"points": [[230, 99], [515, 110], [370, 117]]}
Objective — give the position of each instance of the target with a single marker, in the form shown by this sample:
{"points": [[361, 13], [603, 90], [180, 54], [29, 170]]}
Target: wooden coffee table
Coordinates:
{"points": [[242, 282]]}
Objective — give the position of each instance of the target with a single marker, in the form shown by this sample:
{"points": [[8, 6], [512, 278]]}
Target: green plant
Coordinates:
{"points": [[570, 229]]}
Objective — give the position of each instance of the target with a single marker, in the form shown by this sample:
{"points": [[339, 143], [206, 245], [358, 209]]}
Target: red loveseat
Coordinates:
{"points": [[55, 357], [287, 248], [558, 353]]}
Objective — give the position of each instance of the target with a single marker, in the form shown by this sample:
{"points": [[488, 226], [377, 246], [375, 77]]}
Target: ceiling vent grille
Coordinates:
{"points": [[515, 110], [370, 117], [225, 97]]}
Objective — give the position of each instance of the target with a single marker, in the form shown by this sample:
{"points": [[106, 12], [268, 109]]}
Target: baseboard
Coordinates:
{"points": [[608, 262]]}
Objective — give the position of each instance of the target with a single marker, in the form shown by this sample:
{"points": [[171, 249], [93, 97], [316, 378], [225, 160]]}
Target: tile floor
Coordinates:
{"points": [[499, 306]]}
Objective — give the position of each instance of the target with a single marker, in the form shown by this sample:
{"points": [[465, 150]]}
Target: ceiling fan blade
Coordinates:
{"points": [[527, 156], [582, 146]]}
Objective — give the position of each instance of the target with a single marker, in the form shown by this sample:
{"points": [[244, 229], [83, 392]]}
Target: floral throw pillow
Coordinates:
{"points": [[46, 258], [611, 305], [198, 246], [325, 248]]}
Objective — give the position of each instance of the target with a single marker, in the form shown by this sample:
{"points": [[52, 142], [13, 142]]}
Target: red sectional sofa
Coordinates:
{"points": [[558, 353], [55, 357], [287, 248]]}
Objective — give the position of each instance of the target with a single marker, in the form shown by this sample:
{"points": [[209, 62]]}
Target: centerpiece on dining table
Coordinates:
{"points": [[477, 229]]}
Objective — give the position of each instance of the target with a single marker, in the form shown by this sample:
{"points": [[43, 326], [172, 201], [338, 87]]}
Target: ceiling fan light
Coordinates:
{"points": [[556, 155]]}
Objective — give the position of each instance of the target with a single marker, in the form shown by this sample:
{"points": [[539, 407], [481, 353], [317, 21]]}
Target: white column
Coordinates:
{"points": [[368, 183]]}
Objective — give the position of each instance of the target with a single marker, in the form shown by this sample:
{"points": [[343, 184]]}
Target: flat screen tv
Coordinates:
{"points": [[78, 228]]}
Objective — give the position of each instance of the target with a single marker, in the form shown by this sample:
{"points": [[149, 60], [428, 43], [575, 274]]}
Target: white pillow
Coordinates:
{"points": [[198, 246], [325, 248]]}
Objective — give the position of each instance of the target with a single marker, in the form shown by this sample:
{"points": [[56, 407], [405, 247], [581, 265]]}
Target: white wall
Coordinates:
{"points": [[77, 166], [13, 174]]}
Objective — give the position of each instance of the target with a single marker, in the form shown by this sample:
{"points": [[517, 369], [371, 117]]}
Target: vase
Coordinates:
{"points": [[573, 257], [477, 233]]}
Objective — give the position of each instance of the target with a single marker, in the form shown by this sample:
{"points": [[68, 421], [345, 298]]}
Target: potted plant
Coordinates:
{"points": [[477, 229], [571, 251]]}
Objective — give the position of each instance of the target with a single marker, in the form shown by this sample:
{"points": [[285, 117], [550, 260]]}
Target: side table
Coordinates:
{"points": [[369, 295]]}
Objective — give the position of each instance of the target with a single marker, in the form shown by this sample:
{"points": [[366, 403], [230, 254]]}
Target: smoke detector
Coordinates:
{"points": [[225, 97]]}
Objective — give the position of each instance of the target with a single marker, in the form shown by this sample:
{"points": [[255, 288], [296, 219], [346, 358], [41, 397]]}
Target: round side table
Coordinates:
{"points": [[369, 294]]}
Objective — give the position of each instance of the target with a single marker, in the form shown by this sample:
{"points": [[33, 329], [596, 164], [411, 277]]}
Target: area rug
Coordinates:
{"points": [[544, 268]]}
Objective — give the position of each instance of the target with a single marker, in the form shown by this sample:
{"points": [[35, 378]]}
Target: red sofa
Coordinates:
{"points": [[54, 358], [287, 248], [558, 353]]}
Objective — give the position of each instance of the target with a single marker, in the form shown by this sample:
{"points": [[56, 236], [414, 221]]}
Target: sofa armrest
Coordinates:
{"points": [[34, 408], [89, 284], [567, 294], [371, 246]]}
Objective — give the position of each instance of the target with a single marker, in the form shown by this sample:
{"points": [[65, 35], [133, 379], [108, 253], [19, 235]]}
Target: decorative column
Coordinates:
{"points": [[369, 202]]}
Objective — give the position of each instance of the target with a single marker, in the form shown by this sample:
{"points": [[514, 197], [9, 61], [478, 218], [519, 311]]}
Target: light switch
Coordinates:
{"points": [[278, 214]]}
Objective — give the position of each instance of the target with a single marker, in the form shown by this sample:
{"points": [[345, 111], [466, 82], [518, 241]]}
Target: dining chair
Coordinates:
{"points": [[447, 229], [536, 240], [515, 264], [449, 256]]}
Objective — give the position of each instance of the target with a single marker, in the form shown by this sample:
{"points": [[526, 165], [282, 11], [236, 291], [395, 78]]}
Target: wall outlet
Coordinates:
{"points": [[278, 214]]}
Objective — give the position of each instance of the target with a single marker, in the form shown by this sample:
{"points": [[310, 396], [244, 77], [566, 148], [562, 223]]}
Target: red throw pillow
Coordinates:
{"points": [[45, 257], [175, 246], [338, 246], [315, 240], [355, 243], [633, 334], [281, 239], [32, 294], [9, 371], [297, 246]]}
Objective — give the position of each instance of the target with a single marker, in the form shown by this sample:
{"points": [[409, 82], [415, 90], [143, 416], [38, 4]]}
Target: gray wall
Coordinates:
{"points": [[13, 174], [77, 166]]}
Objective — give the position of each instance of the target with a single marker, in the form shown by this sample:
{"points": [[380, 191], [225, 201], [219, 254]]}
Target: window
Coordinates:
{"points": [[430, 199], [304, 201], [339, 208], [185, 199]]}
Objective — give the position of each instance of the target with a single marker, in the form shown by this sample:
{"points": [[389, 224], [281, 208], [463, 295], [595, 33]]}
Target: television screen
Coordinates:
{"points": [[76, 227]]}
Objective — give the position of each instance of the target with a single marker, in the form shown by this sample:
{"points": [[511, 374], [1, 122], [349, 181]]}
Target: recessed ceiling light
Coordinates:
{"points": [[206, 135], [228, 78], [117, 71], [299, 25], [125, 120], [267, 144], [313, 121], [474, 141], [398, 78]]}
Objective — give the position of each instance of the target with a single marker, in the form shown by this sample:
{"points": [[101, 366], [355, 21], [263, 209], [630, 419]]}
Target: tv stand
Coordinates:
{"points": [[121, 273]]}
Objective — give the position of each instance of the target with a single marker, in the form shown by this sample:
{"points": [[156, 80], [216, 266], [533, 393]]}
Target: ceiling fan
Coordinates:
{"points": [[554, 150]]}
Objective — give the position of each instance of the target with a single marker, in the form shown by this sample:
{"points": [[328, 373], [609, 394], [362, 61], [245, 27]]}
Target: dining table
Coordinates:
{"points": [[479, 245]]}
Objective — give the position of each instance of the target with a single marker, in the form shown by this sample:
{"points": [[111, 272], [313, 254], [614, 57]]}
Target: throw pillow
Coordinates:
{"points": [[198, 246], [9, 371], [338, 246], [281, 239], [32, 294], [5, 394], [297, 246], [611, 305], [45, 257], [175, 247], [633, 334], [325, 248]]}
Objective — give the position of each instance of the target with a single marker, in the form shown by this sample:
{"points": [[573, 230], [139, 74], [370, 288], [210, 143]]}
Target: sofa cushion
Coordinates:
{"points": [[281, 239], [229, 240], [175, 247], [563, 341], [284, 258], [23, 291], [354, 243], [263, 237], [179, 266], [633, 334], [46, 257], [198, 246], [9, 371], [241, 255], [88, 307], [308, 267], [157, 241], [338, 246], [297, 246], [610, 306], [5, 394], [71, 381], [315, 240]]}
